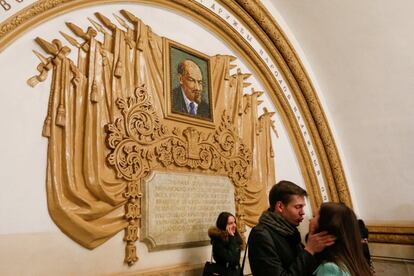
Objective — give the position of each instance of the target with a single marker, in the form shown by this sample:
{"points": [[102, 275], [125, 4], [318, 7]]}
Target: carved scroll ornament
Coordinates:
{"points": [[107, 132], [139, 142]]}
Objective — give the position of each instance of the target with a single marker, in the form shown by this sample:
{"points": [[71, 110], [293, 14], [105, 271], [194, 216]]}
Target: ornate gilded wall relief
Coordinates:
{"points": [[232, 20], [113, 119]]}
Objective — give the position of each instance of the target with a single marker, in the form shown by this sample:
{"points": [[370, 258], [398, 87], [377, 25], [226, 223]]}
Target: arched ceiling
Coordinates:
{"points": [[359, 61], [359, 56]]}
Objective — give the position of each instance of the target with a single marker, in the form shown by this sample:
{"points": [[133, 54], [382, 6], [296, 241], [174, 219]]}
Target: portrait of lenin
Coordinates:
{"points": [[190, 93]]}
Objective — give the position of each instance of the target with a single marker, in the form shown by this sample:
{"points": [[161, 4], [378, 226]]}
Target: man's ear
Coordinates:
{"points": [[179, 77], [279, 206]]}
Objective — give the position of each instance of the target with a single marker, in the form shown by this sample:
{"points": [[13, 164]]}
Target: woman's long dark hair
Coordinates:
{"points": [[221, 224], [339, 220]]}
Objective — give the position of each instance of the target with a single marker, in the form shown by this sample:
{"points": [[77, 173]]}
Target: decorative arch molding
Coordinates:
{"points": [[258, 19], [269, 33]]}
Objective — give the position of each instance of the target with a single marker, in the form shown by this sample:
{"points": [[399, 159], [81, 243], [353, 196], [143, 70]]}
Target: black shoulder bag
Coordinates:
{"points": [[214, 269]]}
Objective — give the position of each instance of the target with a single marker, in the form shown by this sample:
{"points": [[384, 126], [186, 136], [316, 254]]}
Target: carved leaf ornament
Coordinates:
{"points": [[107, 132]]}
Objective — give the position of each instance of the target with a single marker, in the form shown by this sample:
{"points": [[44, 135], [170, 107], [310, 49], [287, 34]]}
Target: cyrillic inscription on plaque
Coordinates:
{"points": [[178, 208]]}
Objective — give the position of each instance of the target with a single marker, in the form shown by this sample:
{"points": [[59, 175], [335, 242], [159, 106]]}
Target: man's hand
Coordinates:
{"points": [[318, 242]]}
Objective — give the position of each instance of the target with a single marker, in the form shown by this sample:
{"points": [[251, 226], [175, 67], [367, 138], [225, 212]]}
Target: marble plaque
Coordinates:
{"points": [[178, 208]]}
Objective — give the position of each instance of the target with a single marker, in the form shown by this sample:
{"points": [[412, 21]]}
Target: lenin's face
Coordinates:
{"points": [[192, 82]]}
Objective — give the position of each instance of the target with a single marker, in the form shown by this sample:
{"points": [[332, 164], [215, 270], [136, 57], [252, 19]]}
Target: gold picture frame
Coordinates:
{"points": [[187, 72]]}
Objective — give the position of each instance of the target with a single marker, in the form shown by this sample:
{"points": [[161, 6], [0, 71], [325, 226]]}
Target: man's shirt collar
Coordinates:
{"points": [[187, 102]]}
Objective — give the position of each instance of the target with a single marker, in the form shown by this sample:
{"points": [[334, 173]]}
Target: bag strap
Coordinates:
{"points": [[244, 258]]}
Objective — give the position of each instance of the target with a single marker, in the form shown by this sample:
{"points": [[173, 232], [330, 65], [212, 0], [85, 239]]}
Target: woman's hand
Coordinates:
{"points": [[229, 229]]}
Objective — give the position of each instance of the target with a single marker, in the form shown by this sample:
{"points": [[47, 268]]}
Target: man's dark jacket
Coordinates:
{"points": [[274, 254], [178, 104]]}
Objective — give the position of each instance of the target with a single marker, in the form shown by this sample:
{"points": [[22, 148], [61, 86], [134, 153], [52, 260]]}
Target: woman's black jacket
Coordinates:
{"points": [[226, 250]]}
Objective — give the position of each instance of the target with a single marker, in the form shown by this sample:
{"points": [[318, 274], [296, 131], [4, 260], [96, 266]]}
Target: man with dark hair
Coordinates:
{"points": [[275, 246]]}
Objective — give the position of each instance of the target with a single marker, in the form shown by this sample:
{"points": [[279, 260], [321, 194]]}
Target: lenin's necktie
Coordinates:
{"points": [[192, 108]]}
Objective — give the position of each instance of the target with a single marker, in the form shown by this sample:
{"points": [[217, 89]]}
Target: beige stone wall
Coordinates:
{"points": [[359, 58], [391, 259], [385, 267]]}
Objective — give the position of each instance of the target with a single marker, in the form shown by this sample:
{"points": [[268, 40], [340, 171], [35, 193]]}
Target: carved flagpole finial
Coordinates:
{"points": [[49, 48], [105, 20], [232, 58], [71, 40], [42, 58], [129, 16], [77, 31], [121, 21], [97, 26]]}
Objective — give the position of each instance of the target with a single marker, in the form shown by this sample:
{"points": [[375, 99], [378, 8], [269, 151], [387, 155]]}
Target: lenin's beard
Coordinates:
{"points": [[197, 96]]}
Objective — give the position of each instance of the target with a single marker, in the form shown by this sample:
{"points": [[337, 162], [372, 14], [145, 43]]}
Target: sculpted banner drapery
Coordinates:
{"points": [[107, 128]]}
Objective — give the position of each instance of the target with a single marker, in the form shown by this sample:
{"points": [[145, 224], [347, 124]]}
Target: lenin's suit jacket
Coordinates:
{"points": [[178, 105]]}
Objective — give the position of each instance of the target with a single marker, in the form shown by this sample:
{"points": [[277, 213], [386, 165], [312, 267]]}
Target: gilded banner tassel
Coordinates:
{"points": [[118, 69], [46, 127], [94, 92], [60, 116]]}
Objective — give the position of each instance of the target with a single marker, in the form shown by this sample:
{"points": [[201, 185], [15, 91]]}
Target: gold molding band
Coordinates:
{"points": [[307, 97], [258, 19], [391, 234]]}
